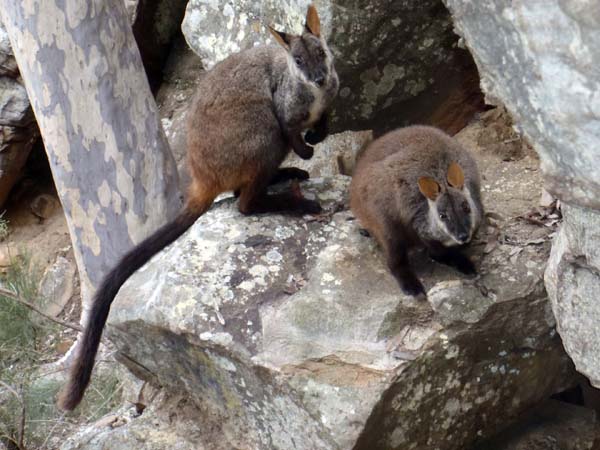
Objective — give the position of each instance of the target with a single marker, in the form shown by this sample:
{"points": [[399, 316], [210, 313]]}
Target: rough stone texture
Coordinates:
{"points": [[553, 425], [18, 130], [291, 333], [539, 58], [573, 283], [56, 285], [398, 61], [166, 424], [155, 24], [335, 155]]}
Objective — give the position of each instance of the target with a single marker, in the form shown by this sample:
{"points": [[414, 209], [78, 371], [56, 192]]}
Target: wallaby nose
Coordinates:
{"points": [[320, 80]]}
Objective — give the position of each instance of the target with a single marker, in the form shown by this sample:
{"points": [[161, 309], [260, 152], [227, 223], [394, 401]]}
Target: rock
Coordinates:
{"points": [[8, 64], [573, 284], [553, 425], [158, 428], [539, 63], [398, 62], [290, 333], [56, 286], [550, 45], [155, 24], [18, 130], [335, 155], [44, 205]]}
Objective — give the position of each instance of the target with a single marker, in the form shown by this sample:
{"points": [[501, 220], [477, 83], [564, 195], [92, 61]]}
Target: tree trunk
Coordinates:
{"points": [[110, 159]]}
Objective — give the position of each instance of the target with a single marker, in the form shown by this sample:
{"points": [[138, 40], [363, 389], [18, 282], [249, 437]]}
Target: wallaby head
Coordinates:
{"points": [[309, 57], [452, 215]]}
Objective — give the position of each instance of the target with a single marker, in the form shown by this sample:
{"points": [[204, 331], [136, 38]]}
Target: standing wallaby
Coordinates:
{"points": [[418, 185], [249, 110]]}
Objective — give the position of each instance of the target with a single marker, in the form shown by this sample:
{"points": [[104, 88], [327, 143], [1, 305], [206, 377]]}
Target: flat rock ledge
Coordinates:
{"points": [[290, 333]]}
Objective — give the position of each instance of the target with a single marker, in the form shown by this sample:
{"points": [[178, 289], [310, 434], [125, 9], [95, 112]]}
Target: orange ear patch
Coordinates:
{"points": [[281, 37], [312, 21], [456, 177], [429, 187]]}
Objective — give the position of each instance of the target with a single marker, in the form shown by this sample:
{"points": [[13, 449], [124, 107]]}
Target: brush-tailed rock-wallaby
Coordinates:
{"points": [[249, 111], [417, 185]]}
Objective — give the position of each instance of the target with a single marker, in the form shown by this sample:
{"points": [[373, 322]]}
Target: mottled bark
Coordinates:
{"points": [[110, 160]]}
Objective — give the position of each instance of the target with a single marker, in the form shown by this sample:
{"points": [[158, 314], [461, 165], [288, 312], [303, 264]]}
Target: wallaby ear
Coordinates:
{"points": [[456, 177], [282, 38], [429, 187], [313, 24]]}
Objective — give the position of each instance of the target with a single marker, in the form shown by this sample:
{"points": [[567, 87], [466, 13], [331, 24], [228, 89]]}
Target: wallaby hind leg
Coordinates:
{"points": [[255, 200]]}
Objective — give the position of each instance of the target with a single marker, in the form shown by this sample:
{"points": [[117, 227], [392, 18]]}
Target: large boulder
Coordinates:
{"points": [[290, 333], [398, 62], [540, 58], [18, 130], [155, 25], [553, 425]]}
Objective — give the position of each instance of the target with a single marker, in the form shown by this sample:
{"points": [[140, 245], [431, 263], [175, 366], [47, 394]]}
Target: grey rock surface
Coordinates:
{"points": [[18, 130], [540, 58], [573, 283], [290, 333], [553, 425], [57, 285], [398, 61], [544, 69]]}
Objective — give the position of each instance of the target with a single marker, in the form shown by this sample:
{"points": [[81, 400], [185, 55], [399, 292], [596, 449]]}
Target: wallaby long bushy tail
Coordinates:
{"points": [[81, 368]]}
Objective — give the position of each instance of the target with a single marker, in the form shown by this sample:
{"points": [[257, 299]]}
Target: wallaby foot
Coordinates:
{"points": [[364, 232], [279, 203], [453, 258], [289, 173], [254, 200], [319, 132], [410, 284]]}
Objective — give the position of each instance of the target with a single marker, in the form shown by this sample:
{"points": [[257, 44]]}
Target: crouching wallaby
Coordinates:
{"points": [[249, 110], [417, 185]]}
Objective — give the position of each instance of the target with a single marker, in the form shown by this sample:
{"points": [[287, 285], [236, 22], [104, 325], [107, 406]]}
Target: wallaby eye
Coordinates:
{"points": [[299, 61], [322, 53], [443, 216], [466, 208]]}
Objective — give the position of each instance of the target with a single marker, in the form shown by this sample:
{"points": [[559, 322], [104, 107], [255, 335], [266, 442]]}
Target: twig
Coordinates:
{"points": [[19, 397], [16, 297], [51, 432]]}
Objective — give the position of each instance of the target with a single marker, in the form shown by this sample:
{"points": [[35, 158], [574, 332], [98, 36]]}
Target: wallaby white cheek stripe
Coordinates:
{"points": [[434, 221], [474, 210], [294, 70]]}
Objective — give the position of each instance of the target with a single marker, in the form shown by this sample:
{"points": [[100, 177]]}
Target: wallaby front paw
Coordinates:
{"points": [[466, 266], [306, 152], [310, 207], [313, 137], [412, 286]]}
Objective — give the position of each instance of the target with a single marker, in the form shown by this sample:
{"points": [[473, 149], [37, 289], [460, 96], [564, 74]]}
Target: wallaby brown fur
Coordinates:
{"points": [[417, 185], [249, 111]]}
